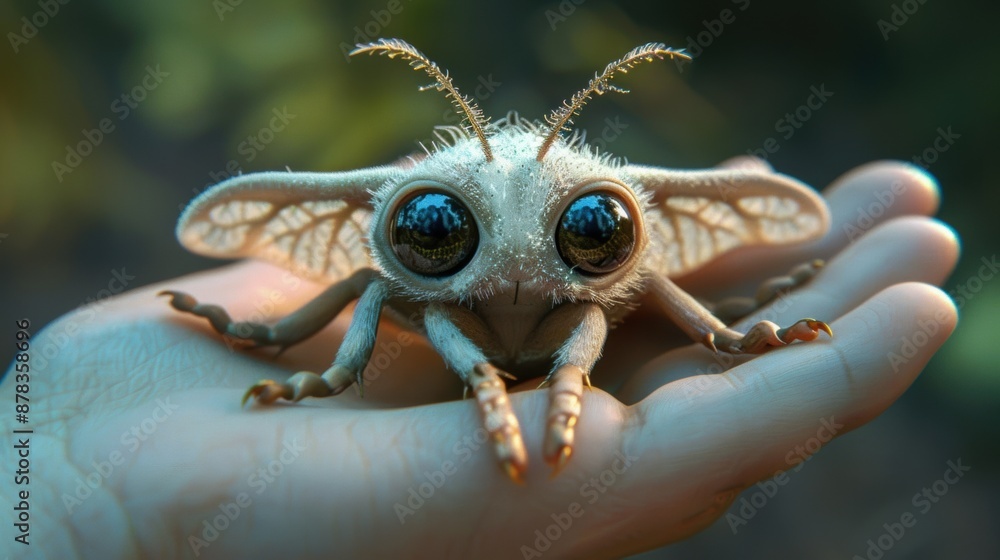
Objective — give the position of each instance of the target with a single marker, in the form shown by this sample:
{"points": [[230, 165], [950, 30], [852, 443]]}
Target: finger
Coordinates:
{"points": [[904, 250], [859, 201], [751, 422]]}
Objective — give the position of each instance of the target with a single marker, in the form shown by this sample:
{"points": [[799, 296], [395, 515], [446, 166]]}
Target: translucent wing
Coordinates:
{"points": [[314, 224], [698, 215]]}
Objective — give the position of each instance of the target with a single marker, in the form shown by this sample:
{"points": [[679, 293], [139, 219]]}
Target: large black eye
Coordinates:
{"points": [[596, 234], [433, 234]]}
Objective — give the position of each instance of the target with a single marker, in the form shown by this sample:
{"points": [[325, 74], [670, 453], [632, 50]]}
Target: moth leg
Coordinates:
{"points": [[352, 356], [733, 308], [702, 326], [766, 335], [582, 328], [459, 336], [300, 325]]}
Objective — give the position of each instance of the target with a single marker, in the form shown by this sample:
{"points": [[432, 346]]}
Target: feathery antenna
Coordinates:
{"points": [[562, 117], [465, 106]]}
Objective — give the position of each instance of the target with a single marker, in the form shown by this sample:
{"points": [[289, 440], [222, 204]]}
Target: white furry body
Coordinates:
{"points": [[510, 299]]}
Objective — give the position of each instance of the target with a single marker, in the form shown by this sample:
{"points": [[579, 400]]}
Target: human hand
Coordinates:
{"points": [[145, 402]]}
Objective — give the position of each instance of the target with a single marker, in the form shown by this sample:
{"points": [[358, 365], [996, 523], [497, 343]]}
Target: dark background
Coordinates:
{"points": [[228, 70]]}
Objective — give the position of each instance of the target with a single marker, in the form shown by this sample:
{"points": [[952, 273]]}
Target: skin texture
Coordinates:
{"points": [[682, 446]]}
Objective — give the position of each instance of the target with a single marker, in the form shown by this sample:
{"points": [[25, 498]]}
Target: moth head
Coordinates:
{"points": [[512, 205], [456, 226]]}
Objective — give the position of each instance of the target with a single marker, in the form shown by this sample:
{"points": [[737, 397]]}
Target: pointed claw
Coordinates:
{"points": [[506, 375], [179, 300], [246, 396], [710, 342], [586, 381], [559, 461], [804, 329], [265, 392], [565, 404], [299, 386], [513, 472], [821, 326]]}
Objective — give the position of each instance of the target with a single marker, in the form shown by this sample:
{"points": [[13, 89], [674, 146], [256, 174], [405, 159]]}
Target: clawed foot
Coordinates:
{"points": [[765, 335], [249, 333], [246, 334], [499, 420], [565, 400], [301, 385]]}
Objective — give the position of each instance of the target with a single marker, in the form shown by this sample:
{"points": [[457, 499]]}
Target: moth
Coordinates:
{"points": [[516, 244]]}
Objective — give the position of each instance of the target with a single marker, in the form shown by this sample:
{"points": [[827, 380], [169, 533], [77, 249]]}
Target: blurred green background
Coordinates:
{"points": [[215, 72]]}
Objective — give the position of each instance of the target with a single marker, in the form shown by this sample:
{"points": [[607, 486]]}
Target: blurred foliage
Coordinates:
{"points": [[232, 64]]}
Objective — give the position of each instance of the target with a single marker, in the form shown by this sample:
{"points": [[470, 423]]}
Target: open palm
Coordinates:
{"points": [[143, 403]]}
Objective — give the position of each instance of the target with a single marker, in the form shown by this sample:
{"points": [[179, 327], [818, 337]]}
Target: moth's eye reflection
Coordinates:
{"points": [[433, 234], [596, 234]]}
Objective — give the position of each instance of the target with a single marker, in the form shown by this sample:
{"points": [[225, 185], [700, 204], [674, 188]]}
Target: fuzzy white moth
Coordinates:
{"points": [[516, 246]]}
